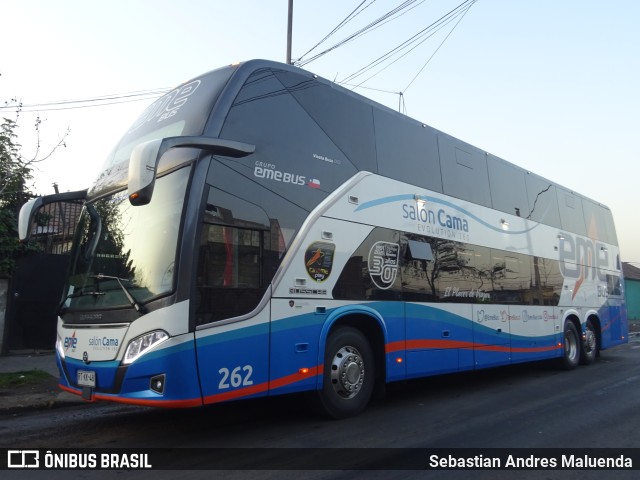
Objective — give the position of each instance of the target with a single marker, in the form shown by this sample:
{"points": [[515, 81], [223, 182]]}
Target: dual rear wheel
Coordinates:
{"points": [[578, 350], [590, 350]]}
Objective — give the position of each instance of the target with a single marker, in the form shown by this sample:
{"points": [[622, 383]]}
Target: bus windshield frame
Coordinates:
{"points": [[122, 252]]}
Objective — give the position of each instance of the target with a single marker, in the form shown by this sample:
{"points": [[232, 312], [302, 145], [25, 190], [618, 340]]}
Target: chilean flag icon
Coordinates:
{"points": [[314, 183]]}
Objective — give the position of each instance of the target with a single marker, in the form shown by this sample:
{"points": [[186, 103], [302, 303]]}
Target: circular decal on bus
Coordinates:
{"points": [[318, 260]]}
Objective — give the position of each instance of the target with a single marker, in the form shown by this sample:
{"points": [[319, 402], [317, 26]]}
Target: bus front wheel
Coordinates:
{"points": [[349, 375]]}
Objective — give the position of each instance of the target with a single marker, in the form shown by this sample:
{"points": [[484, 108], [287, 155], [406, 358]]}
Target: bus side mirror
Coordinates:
{"points": [[144, 159], [25, 218], [142, 171]]}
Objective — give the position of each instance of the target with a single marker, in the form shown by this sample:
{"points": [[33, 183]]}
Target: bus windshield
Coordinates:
{"points": [[123, 252]]}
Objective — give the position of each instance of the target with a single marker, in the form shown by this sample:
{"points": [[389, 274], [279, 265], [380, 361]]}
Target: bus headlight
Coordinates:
{"points": [[59, 348], [142, 344]]}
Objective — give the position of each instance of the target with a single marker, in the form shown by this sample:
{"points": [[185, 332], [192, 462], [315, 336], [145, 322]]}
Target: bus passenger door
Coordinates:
{"points": [[233, 359], [232, 312]]}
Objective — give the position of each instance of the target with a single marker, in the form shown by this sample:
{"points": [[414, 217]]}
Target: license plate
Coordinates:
{"points": [[86, 378]]}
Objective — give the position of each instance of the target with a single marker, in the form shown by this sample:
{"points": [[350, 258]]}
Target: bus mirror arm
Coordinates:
{"points": [[217, 146], [145, 157]]}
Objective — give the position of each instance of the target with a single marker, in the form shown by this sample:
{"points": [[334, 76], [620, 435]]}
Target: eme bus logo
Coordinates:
{"points": [[583, 259], [70, 342], [578, 252]]}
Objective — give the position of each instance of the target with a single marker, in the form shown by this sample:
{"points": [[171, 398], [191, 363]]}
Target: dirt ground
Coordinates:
{"points": [[40, 395]]}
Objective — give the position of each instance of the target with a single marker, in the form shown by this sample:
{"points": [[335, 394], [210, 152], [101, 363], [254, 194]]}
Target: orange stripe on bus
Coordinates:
{"points": [[264, 387], [450, 344], [187, 403]]}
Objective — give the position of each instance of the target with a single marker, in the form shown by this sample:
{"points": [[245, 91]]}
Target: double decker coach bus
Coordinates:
{"points": [[260, 231]]}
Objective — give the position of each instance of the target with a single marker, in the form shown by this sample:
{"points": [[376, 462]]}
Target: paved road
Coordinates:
{"points": [[527, 406]]}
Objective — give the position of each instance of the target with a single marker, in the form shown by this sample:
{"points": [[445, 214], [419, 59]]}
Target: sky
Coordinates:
{"points": [[550, 85]]}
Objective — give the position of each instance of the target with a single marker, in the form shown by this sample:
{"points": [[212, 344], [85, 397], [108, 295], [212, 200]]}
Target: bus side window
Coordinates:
{"points": [[236, 257], [229, 272]]}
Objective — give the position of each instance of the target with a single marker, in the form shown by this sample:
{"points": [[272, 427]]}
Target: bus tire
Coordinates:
{"points": [[571, 342], [349, 374], [589, 345]]}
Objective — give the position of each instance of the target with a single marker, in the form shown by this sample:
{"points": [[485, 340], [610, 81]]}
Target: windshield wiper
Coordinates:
{"points": [[139, 308], [85, 294], [62, 309]]}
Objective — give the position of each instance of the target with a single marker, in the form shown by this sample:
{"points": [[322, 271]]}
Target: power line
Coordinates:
{"points": [[114, 99], [439, 46], [398, 16], [419, 37], [95, 105], [378, 22], [346, 20], [99, 101], [370, 88], [155, 91], [360, 32]]}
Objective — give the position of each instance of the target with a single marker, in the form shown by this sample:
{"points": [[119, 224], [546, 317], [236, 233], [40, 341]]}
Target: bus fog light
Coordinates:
{"points": [[142, 344], [157, 383]]}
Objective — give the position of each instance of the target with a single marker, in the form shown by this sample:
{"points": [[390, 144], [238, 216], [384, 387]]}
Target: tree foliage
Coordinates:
{"points": [[14, 173], [15, 176]]}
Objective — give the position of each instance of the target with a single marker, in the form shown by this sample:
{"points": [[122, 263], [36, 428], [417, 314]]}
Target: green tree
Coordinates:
{"points": [[15, 175], [13, 172]]}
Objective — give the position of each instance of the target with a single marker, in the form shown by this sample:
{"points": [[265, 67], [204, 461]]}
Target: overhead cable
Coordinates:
{"points": [[439, 46], [419, 37], [346, 20], [386, 17], [100, 101]]}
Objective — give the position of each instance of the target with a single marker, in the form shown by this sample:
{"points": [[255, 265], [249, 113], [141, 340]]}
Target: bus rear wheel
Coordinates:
{"points": [[348, 374], [589, 345], [571, 356]]}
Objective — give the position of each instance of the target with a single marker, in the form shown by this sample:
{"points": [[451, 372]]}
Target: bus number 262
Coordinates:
{"points": [[239, 376]]}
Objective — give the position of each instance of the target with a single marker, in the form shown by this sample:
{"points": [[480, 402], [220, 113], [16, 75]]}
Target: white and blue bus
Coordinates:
{"points": [[261, 231]]}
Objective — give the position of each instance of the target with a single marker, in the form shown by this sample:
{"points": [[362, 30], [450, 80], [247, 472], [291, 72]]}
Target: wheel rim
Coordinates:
{"points": [[570, 346], [347, 372], [590, 341]]}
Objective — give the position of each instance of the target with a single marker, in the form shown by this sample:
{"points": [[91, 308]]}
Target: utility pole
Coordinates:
{"points": [[289, 30]]}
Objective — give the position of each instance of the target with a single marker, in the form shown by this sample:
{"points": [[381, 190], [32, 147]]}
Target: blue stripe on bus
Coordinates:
{"points": [[295, 353], [177, 362], [231, 335]]}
